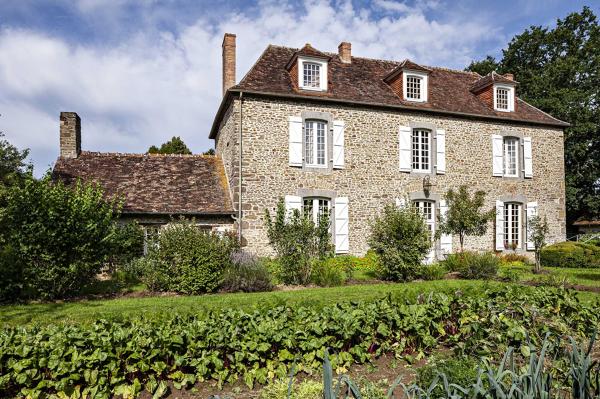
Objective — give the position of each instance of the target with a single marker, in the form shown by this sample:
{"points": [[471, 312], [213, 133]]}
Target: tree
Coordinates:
{"points": [[538, 230], [13, 168], [465, 216], [558, 70], [485, 66], [210, 151], [173, 146]]}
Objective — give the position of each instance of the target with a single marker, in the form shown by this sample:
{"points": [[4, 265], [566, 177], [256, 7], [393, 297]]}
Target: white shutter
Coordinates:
{"points": [[338, 144], [499, 226], [341, 225], [445, 239], [497, 152], [440, 137], [292, 202], [532, 210], [405, 148], [295, 140], [400, 202], [527, 157]]}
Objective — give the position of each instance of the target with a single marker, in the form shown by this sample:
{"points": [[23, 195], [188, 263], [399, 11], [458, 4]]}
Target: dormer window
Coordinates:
{"points": [[312, 74], [504, 98], [415, 86]]}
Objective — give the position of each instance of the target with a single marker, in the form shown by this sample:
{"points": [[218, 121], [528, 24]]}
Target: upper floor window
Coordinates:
{"points": [[421, 150], [512, 225], [504, 99], [511, 156], [312, 74], [315, 143], [315, 208], [415, 86]]}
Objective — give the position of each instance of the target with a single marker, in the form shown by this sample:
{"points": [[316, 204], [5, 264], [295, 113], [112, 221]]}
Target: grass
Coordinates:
{"points": [[586, 277]]}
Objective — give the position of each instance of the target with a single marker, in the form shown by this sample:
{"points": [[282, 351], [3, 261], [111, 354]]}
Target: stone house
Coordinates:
{"points": [[331, 131]]}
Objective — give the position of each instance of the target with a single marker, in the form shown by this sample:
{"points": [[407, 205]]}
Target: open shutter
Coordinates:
{"points": [[405, 148], [341, 225], [527, 157], [292, 202], [499, 226], [440, 137], [497, 149], [532, 210], [338, 144], [295, 140], [445, 239]]}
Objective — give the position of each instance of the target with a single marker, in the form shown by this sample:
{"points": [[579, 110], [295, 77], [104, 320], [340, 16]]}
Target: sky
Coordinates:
{"points": [[141, 71]]}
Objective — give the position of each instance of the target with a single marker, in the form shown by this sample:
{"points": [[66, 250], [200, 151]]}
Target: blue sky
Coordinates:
{"points": [[141, 71]]}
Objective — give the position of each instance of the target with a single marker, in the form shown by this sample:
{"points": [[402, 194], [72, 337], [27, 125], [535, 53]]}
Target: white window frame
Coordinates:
{"points": [[322, 73], [315, 207], [510, 98], [424, 85], [505, 155], [419, 164], [508, 225], [420, 206], [313, 162]]}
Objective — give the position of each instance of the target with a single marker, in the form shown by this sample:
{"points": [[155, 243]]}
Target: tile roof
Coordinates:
{"points": [[163, 184], [362, 82], [490, 78]]}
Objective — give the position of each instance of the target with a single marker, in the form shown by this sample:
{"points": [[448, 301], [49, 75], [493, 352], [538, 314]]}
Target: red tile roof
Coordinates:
{"points": [[162, 184], [490, 78], [362, 82]]}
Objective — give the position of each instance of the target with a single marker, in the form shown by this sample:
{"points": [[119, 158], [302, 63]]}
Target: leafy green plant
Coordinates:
{"points": [[510, 274], [435, 271], [571, 255], [246, 273], [510, 257], [332, 272], [473, 265], [401, 241], [462, 370]]}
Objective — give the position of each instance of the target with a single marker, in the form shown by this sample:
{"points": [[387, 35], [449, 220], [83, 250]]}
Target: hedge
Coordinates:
{"points": [[571, 254]]}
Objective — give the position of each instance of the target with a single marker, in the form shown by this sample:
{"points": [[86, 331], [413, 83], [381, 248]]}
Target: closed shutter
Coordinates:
{"points": [[445, 239], [400, 202], [527, 157], [497, 159], [499, 226], [405, 148], [295, 140], [440, 137], [292, 202], [338, 144], [532, 210], [341, 225]]}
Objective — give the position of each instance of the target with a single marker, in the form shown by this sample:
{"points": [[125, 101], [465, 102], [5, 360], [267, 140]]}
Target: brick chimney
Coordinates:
{"points": [[70, 135], [228, 61], [509, 76], [345, 52]]}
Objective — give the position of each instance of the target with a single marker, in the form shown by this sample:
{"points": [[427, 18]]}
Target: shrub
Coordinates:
{"points": [[473, 265], [11, 275], [61, 236], [246, 273], [510, 275], [401, 241], [128, 243], [332, 272], [571, 254], [298, 242], [511, 257], [435, 271]]}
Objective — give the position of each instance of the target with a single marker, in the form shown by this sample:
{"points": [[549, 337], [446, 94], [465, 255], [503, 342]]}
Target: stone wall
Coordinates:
{"points": [[371, 177]]}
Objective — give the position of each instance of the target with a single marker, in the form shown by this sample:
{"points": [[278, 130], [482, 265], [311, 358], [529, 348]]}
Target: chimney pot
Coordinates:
{"points": [[228, 61], [70, 135], [345, 52], [509, 76]]}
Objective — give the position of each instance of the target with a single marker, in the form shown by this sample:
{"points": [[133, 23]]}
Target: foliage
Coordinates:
{"points": [[435, 271], [460, 370], [485, 66], [558, 70], [510, 274], [510, 257], [473, 265], [13, 168], [298, 242], [11, 275], [332, 272], [210, 151], [537, 232], [246, 273], [401, 241], [465, 216], [187, 259], [61, 236], [260, 345], [173, 146], [307, 389], [571, 254], [128, 240]]}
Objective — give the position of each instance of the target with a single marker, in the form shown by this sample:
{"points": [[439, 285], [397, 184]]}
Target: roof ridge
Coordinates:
{"points": [[139, 154]]}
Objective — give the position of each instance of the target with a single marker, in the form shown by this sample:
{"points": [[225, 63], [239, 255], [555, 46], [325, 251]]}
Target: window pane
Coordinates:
{"points": [[501, 98], [420, 150], [510, 156], [308, 142], [413, 87], [307, 207], [512, 216], [311, 75], [320, 143]]}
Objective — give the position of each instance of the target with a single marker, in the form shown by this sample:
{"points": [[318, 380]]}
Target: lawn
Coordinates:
{"points": [[585, 277]]}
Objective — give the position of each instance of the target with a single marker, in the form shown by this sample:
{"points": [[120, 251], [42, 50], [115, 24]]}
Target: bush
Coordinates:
{"points": [[246, 273], [571, 254], [60, 236], [510, 275], [435, 271], [401, 241], [511, 257], [473, 265], [187, 259], [128, 243], [11, 275], [333, 272]]}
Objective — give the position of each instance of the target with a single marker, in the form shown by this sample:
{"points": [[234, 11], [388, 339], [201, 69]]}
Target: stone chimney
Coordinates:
{"points": [[509, 76], [345, 52], [228, 61], [70, 135]]}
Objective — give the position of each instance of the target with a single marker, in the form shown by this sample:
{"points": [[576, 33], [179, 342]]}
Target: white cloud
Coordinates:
{"points": [[157, 84]]}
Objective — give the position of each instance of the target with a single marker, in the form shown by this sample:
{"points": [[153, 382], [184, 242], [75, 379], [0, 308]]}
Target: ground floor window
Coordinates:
{"points": [[427, 209], [512, 225], [314, 208]]}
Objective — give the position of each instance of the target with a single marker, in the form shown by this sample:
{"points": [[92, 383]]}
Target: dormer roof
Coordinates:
{"points": [[406, 65], [489, 79], [307, 51]]}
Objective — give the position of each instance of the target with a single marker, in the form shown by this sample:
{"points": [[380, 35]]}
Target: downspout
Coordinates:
{"points": [[240, 178]]}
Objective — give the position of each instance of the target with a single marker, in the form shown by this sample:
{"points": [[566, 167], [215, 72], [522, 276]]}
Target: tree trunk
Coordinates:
{"points": [[461, 238], [537, 262]]}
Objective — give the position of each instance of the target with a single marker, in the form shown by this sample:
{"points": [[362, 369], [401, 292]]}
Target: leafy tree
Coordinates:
{"points": [[538, 230], [13, 167], [559, 72], [210, 151], [485, 66], [173, 146], [401, 239], [465, 216], [298, 242]]}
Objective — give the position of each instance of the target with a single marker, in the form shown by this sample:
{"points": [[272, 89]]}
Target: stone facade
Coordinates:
{"points": [[70, 135], [371, 177]]}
